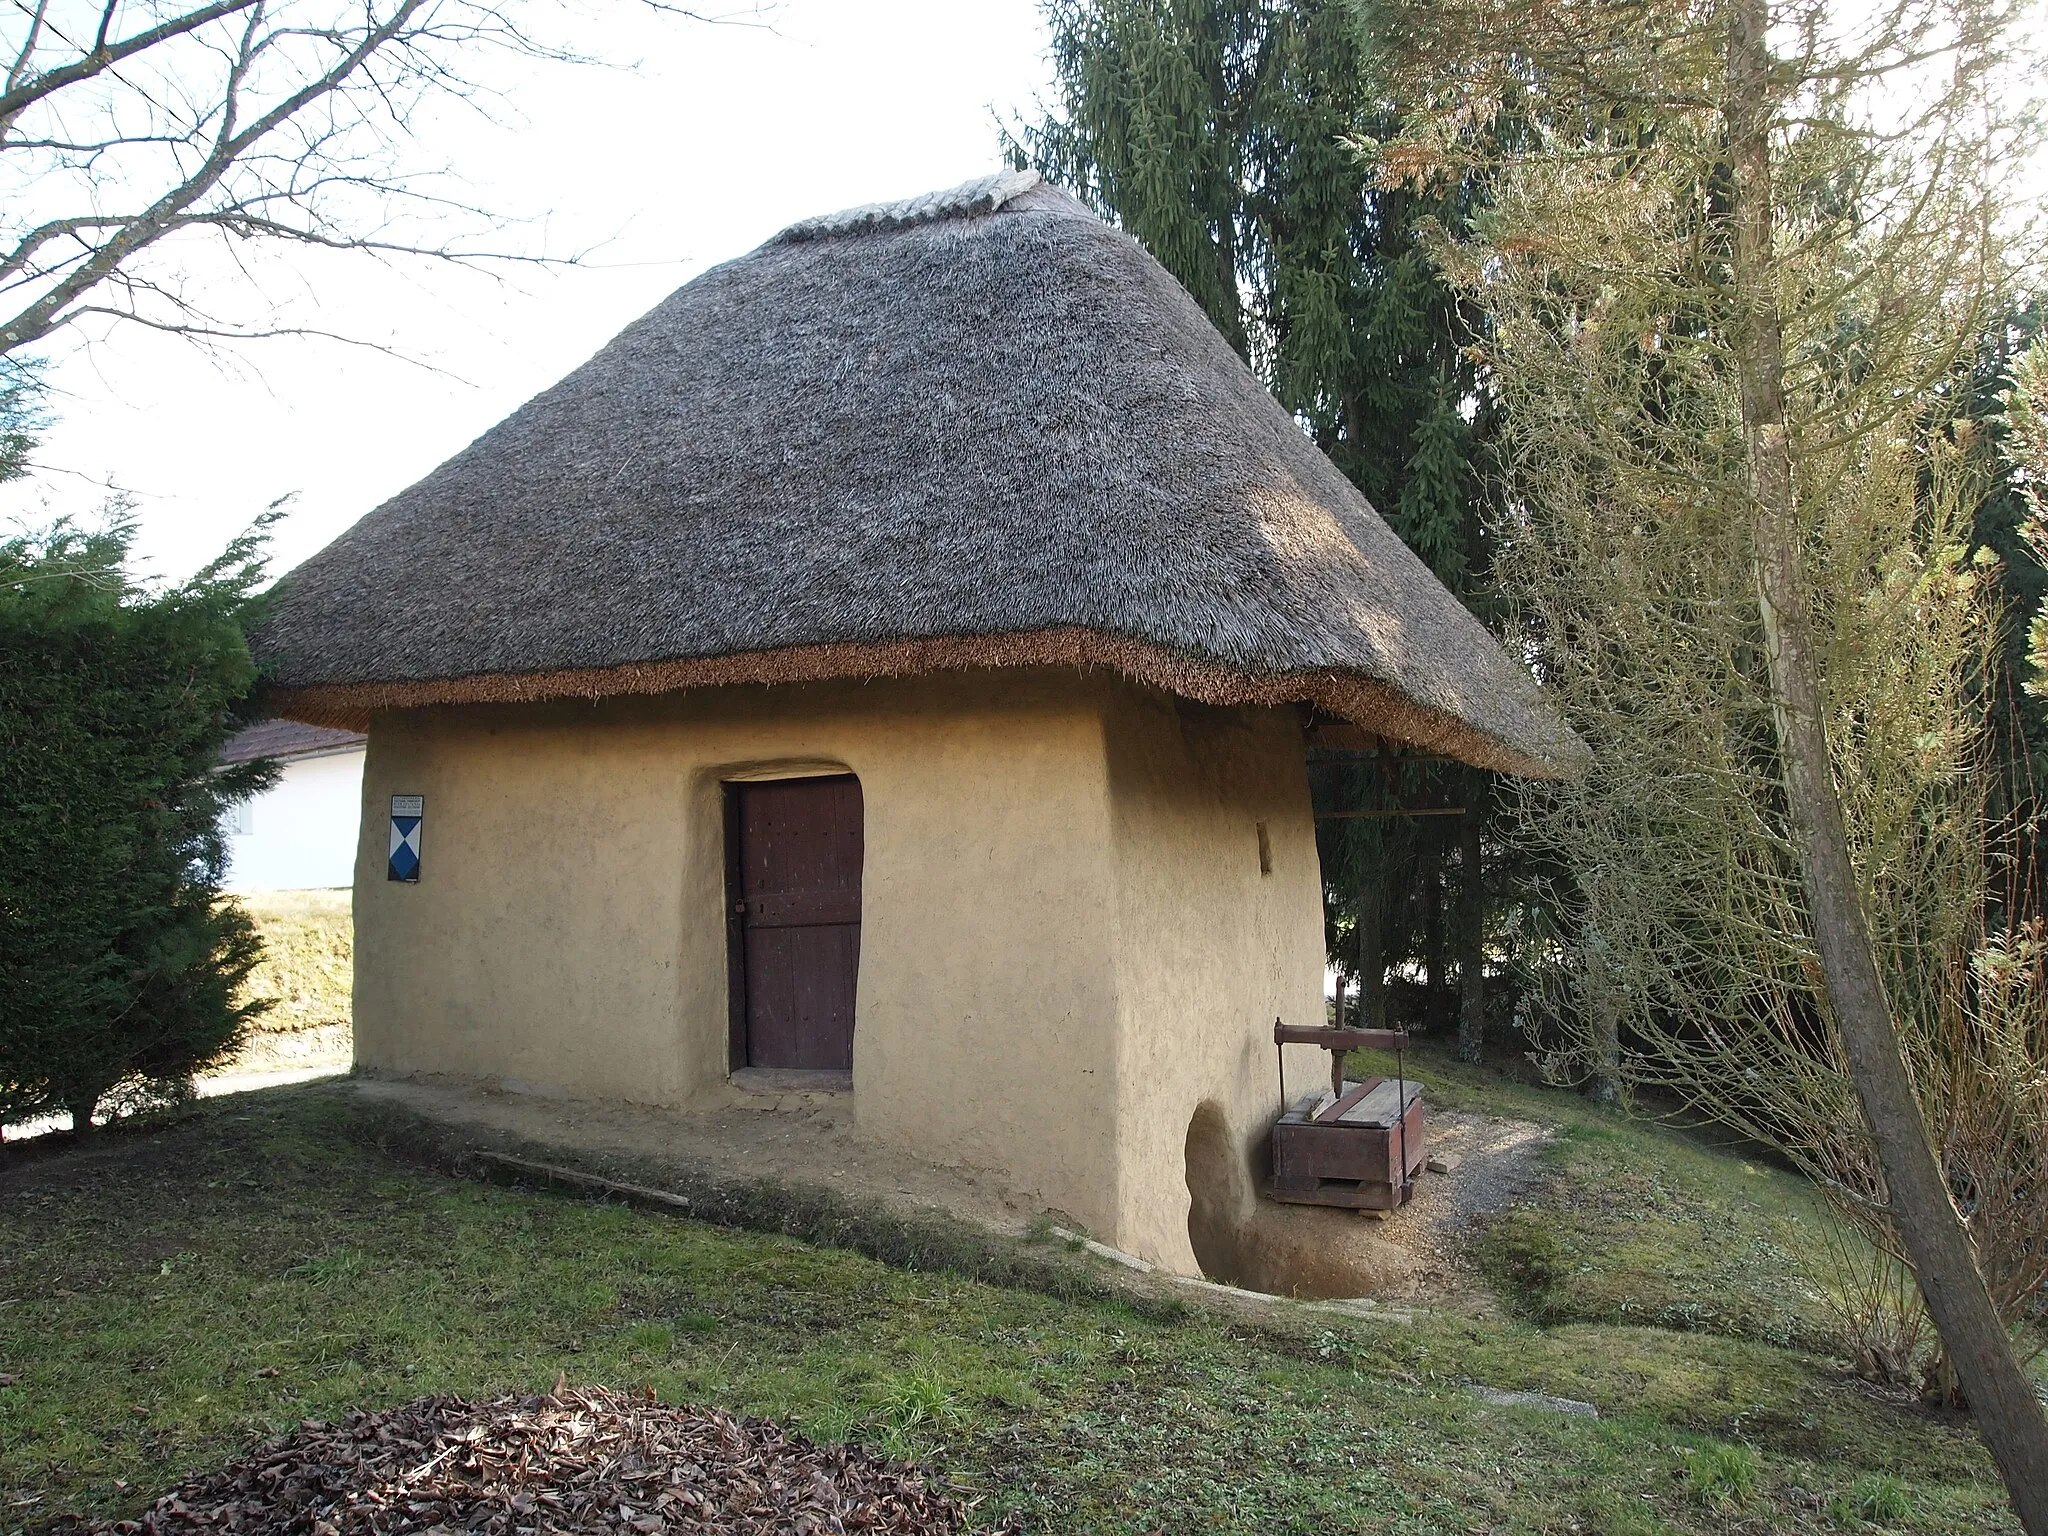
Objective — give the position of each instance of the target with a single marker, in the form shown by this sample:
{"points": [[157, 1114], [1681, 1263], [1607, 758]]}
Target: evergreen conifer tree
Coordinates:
{"points": [[1223, 134], [118, 959]]}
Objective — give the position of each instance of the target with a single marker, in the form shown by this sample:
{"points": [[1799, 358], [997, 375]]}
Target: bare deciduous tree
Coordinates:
{"points": [[129, 130], [1740, 254]]}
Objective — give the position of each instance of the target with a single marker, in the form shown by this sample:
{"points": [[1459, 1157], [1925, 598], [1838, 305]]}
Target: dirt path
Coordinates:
{"points": [[1497, 1161]]}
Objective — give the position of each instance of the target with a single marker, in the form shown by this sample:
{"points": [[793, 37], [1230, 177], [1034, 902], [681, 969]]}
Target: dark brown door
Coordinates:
{"points": [[793, 856]]}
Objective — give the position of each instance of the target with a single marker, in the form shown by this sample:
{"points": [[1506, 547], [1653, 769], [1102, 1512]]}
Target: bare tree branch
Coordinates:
{"points": [[287, 122], [19, 69], [102, 57]]}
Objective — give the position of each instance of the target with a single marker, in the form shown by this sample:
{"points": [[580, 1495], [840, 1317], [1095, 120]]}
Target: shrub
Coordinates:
{"points": [[118, 959]]}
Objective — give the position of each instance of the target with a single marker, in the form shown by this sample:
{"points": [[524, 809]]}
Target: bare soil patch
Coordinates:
{"points": [[1425, 1252]]}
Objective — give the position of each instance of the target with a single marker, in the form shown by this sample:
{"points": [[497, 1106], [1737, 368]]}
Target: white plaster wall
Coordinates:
{"points": [[302, 831]]}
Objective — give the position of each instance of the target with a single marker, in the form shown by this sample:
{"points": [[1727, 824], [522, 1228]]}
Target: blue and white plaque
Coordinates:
{"points": [[407, 812]]}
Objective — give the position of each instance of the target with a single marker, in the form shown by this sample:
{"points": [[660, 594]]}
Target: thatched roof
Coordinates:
{"points": [[287, 739], [978, 429]]}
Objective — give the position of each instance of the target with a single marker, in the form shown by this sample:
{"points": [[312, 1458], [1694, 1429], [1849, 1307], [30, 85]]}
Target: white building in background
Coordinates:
{"points": [[300, 834]]}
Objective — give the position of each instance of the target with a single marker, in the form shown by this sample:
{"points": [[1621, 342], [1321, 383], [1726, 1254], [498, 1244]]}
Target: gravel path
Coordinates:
{"points": [[1498, 1161]]}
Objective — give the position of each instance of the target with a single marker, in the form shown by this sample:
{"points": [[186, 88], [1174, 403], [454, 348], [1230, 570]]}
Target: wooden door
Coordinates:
{"points": [[793, 857]]}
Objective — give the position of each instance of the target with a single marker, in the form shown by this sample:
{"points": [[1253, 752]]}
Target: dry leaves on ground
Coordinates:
{"points": [[577, 1461]]}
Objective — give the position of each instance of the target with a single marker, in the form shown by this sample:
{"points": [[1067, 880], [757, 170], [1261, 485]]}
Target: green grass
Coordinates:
{"points": [[1721, 1474], [308, 958], [168, 1297], [1636, 1222], [1880, 1499]]}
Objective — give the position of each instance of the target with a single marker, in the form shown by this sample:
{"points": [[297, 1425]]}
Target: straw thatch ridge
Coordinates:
{"points": [[981, 429], [983, 195]]}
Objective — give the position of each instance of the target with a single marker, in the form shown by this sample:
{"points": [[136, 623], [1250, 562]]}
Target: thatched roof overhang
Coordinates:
{"points": [[979, 430], [1381, 709]]}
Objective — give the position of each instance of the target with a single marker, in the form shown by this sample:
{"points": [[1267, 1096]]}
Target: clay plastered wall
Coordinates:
{"points": [[568, 932], [1209, 949]]}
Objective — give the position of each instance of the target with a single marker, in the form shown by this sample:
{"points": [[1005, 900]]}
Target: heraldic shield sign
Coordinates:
{"points": [[407, 813]]}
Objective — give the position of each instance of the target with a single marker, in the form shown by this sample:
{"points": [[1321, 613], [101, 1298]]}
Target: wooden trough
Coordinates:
{"points": [[1353, 1144]]}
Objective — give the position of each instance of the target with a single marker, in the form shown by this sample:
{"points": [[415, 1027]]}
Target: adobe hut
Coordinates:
{"points": [[883, 667]]}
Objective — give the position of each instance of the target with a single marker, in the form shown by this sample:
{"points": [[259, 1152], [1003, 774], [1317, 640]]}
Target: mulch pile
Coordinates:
{"points": [[584, 1461]]}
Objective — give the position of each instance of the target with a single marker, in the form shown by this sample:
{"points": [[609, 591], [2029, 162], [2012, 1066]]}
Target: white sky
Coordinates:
{"points": [[718, 137]]}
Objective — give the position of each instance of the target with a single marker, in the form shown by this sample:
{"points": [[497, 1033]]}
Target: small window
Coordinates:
{"points": [[238, 820], [1265, 851]]}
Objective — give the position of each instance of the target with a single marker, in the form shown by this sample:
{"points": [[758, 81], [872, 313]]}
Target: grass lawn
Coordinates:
{"points": [[1637, 1222], [168, 1296]]}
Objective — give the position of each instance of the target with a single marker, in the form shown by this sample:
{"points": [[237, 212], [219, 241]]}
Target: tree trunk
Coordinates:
{"points": [[1603, 998], [2009, 1415], [1472, 924], [1436, 1009], [81, 1107], [1372, 951]]}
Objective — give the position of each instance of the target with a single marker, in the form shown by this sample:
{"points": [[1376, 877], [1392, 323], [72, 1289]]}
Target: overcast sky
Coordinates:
{"points": [[714, 139]]}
